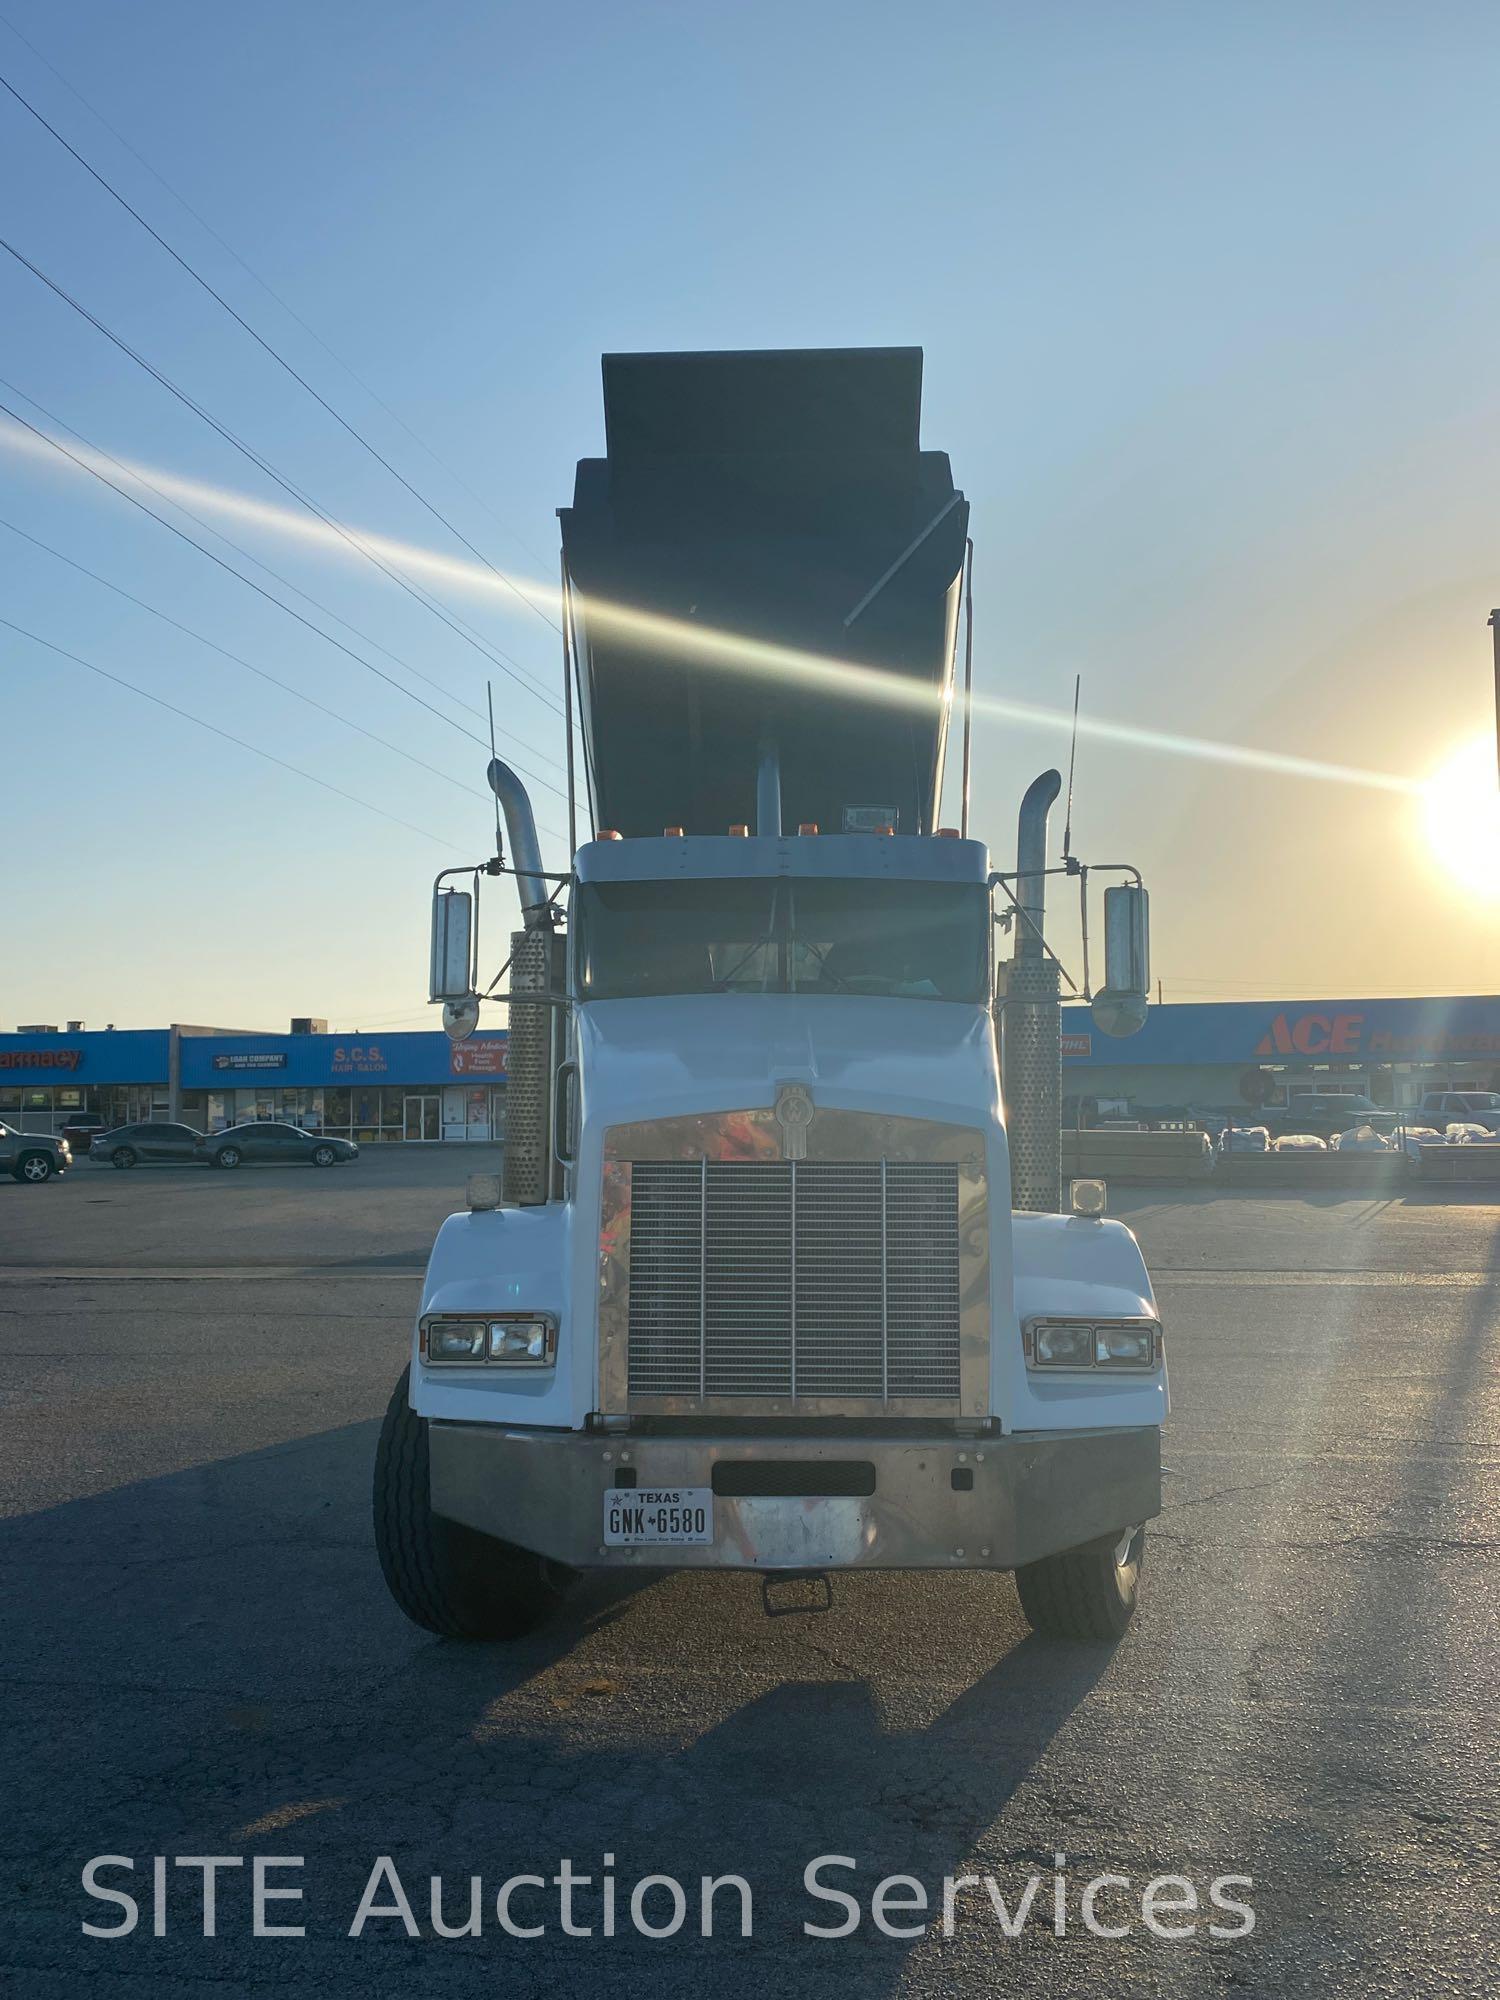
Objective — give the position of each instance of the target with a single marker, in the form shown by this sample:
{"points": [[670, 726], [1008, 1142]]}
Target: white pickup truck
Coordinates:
{"points": [[1442, 1108]]}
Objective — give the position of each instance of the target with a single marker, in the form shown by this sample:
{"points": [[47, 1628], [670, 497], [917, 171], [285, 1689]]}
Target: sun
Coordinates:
{"points": [[1461, 815]]}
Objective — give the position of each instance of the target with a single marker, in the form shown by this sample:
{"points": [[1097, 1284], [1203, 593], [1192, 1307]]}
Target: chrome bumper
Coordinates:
{"points": [[952, 1503]]}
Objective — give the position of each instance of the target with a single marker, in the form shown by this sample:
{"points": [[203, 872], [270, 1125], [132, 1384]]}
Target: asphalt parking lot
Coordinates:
{"points": [[202, 1660]]}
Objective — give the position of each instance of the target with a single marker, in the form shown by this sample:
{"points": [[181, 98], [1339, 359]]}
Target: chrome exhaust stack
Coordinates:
{"points": [[537, 966], [1031, 1020]]}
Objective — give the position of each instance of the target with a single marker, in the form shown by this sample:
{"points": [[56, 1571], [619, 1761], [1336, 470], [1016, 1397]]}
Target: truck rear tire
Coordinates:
{"points": [[447, 1578], [1087, 1594]]}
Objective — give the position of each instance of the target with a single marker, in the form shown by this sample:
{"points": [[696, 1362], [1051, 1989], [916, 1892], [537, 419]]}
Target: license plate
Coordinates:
{"points": [[638, 1517]]}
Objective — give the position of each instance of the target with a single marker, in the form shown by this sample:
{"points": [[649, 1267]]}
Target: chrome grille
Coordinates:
{"points": [[794, 1279]]}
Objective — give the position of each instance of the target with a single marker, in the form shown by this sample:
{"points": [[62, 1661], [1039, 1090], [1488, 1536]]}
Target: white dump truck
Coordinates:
{"points": [[768, 1284]]}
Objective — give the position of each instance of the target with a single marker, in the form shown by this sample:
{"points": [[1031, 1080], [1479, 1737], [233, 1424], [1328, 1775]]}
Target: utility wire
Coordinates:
{"points": [[251, 584], [269, 289], [138, 478], [459, 627], [249, 666], [277, 357], [308, 777]]}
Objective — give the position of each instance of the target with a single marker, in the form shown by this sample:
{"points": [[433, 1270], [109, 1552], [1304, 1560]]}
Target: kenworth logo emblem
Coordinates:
{"points": [[794, 1113]]}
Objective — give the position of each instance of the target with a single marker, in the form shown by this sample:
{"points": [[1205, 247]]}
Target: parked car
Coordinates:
{"points": [[275, 1145], [1244, 1139], [1363, 1139], [149, 1144], [1300, 1142], [33, 1156], [1320, 1115], [81, 1128], [1464, 1107]]}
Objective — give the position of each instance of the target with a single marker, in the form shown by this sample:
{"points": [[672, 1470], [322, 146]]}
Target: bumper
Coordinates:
{"points": [[985, 1503]]}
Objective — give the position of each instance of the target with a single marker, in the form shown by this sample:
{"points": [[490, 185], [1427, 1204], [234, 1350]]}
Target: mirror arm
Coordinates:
{"points": [[1083, 924], [1017, 912]]}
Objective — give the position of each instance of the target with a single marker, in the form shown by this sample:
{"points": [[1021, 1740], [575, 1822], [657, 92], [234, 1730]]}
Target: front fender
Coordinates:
{"points": [[501, 1260], [1072, 1267]]}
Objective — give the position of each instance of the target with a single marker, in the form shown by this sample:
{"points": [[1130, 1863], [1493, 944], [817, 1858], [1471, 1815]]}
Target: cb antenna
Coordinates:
{"points": [[1072, 755], [489, 689]]}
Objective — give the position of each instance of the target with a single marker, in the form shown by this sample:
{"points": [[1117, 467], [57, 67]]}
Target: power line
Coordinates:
{"points": [[277, 357], [269, 289], [296, 770], [251, 584], [261, 672], [139, 478], [459, 627]]}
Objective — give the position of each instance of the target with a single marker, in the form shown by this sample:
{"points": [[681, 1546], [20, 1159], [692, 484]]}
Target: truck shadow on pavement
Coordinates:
{"points": [[207, 1663]]}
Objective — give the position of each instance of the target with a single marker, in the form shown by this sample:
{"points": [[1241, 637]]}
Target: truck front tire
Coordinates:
{"points": [[1088, 1594], [447, 1578]]}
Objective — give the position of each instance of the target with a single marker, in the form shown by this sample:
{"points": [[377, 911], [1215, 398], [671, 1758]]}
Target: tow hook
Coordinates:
{"points": [[807, 1591]]}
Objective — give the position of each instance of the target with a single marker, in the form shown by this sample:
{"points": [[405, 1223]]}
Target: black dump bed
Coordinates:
{"points": [[764, 495]]}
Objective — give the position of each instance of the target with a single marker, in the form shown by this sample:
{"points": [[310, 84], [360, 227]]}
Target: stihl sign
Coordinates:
{"points": [[1312, 1035]]}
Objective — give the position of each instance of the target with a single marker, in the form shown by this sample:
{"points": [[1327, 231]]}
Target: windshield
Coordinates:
{"points": [[898, 940]]}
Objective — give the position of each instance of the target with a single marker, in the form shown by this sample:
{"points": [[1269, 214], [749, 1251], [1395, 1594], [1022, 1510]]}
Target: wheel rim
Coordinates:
{"points": [[229, 1157], [323, 1157], [36, 1169], [124, 1158]]}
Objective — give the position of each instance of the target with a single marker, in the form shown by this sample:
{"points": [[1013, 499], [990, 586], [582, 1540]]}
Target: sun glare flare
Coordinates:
{"points": [[708, 647], [1461, 817]]}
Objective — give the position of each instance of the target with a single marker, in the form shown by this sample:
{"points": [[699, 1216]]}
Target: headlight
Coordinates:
{"points": [[1128, 1346], [521, 1340], [1074, 1343], [515, 1340], [1063, 1346], [456, 1340]]}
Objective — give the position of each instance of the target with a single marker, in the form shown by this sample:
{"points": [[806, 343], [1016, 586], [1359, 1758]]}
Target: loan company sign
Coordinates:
{"points": [[1335, 1035]]}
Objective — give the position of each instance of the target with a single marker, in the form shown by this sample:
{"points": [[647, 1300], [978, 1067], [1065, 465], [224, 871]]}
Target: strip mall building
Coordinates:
{"points": [[369, 1087], [421, 1086], [1224, 1053]]}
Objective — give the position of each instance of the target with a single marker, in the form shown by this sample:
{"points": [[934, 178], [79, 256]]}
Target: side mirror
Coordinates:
{"points": [[452, 944], [1120, 1006]]}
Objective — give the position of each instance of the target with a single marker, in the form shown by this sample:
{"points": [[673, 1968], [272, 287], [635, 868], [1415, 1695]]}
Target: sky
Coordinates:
{"points": [[1209, 298]]}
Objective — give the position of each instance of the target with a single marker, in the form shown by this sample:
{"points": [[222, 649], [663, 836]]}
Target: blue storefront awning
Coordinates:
{"points": [[224, 1062]]}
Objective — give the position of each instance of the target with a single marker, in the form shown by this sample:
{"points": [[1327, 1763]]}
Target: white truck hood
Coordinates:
{"points": [[729, 1051]]}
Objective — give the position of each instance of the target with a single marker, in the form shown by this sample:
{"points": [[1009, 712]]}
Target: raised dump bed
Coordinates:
{"points": [[751, 508]]}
